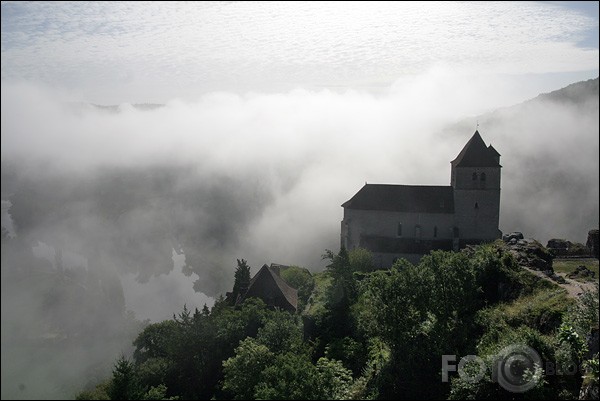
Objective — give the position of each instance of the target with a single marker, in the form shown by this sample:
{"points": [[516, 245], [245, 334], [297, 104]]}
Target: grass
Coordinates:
{"points": [[541, 310], [569, 265], [316, 303]]}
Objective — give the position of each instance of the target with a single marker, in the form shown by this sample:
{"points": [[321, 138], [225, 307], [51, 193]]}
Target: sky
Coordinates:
{"points": [[136, 52], [274, 114]]}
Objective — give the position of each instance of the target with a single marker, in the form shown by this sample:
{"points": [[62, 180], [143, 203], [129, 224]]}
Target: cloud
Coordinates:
{"points": [[115, 52]]}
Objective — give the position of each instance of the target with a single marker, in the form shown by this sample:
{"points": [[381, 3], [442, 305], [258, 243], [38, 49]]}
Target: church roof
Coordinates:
{"points": [[476, 154], [403, 198], [493, 150], [272, 289]]}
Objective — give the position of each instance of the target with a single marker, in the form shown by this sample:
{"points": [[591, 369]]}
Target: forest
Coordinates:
{"points": [[361, 333]]}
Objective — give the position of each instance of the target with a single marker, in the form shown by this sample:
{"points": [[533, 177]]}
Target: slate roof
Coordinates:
{"points": [[272, 289], [493, 151], [476, 154], [403, 198]]}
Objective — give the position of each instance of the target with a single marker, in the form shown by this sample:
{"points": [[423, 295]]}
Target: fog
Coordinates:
{"points": [[145, 209]]}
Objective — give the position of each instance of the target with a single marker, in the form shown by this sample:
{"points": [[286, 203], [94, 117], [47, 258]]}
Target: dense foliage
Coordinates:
{"points": [[368, 334]]}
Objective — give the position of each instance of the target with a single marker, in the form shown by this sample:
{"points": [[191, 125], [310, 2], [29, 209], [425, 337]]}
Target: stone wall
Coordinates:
{"points": [[361, 223]]}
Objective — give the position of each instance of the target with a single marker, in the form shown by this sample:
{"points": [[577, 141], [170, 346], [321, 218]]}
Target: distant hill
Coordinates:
{"points": [[549, 148], [577, 93]]}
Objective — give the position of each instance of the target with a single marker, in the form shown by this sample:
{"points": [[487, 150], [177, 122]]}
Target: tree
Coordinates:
{"points": [[340, 295], [123, 385], [300, 279], [155, 341], [334, 379], [343, 288], [242, 280], [361, 260], [242, 372], [281, 333], [290, 377]]}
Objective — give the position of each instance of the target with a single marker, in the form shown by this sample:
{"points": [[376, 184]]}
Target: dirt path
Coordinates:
{"points": [[573, 287]]}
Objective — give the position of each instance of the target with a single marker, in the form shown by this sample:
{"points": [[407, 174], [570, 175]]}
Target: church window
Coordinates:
{"points": [[476, 205], [434, 231], [482, 176], [474, 176], [399, 230]]}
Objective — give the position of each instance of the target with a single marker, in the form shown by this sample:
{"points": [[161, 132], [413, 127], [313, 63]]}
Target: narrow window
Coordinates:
{"points": [[434, 231], [482, 176], [417, 233], [476, 205], [474, 176], [399, 233]]}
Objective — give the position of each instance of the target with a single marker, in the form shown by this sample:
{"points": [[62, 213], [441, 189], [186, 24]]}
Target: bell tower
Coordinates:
{"points": [[475, 179]]}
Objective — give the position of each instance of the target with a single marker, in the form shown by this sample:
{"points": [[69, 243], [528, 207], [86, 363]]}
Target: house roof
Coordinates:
{"points": [[271, 288], [476, 154], [403, 198]]}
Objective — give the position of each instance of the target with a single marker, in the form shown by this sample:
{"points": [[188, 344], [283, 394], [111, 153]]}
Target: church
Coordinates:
{"points": [[408, 221]]}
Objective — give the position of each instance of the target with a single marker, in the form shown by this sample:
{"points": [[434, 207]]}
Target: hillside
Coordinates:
{"points": [[364, 332], [549, 148]]}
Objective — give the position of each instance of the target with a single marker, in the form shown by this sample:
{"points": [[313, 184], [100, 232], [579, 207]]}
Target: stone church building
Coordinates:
{"points": [[408, 221]]}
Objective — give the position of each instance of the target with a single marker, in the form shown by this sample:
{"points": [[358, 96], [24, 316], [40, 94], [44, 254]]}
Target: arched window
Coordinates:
{"points": [[482, 176], [476, 205], [399, 230], [474, 176], [434, 231]]}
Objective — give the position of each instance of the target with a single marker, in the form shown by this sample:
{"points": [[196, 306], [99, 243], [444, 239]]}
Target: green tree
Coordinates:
{"points": [[335, 381], [300, 279], [155, 341], [361, 260], [99, 392], [242, 279], [281, 333], [340, 295], [123, 385], [158, 393], [290, 377], [243, 371]]}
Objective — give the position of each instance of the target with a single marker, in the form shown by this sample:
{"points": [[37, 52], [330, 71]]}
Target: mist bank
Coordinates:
{"points": [[142, 195], [550, 158], [262, 176]]}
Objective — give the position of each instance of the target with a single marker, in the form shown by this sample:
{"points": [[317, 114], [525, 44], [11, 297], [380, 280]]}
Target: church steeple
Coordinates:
{"points": [[477, 154]]}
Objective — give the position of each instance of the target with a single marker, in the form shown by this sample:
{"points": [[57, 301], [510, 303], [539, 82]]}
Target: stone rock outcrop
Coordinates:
{"points": [[530, 253], [562, 247], [581, 272], [512, 236], [533, 255]]}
